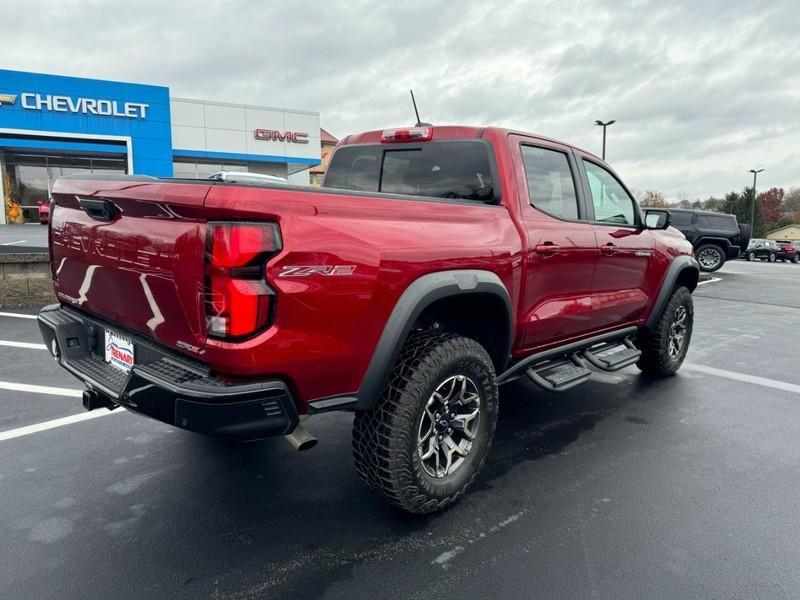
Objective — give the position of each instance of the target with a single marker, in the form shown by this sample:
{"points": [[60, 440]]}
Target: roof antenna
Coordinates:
{"points": [[416, 112]]}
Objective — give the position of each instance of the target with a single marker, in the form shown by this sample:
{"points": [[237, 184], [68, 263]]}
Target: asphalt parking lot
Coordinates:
{"points": [[621, 488], [16, 238]]}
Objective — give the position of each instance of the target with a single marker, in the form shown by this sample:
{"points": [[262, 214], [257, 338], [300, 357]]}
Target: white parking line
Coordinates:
{"points": [[743, 377], [40, 389], [13, 243], [23, 345], [17, 315], [53, 423], [712, 280]]}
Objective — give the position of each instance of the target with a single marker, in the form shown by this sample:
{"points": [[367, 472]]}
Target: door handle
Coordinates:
{"points": [[608, 249], [547, 249]]}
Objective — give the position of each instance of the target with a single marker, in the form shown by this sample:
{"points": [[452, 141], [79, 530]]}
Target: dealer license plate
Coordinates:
{"points": [[119, 351]]}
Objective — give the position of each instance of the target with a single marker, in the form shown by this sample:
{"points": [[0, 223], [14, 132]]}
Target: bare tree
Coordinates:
{"points": [[653, 199]]}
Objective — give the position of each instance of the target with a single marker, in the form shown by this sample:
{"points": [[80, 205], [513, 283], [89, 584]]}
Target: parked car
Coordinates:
{"points": [[788, 250], [248, 177], [44, 212], [715, 237], [762, 250], [435, 264]]}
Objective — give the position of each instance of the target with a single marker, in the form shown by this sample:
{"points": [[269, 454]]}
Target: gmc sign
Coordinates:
{"points": [[273, 135]]}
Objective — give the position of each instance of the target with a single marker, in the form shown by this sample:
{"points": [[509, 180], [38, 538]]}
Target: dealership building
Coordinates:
{"points": [[52, 125]]}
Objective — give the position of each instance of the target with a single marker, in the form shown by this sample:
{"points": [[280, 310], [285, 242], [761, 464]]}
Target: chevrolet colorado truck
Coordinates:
{"points": [[435, 264]]}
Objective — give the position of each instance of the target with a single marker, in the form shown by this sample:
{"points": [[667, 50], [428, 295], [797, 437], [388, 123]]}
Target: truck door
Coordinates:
{"points": [[625, 278], [561, 247]]}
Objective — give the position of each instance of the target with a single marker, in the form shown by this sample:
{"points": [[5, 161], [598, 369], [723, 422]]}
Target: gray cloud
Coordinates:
{"points": [[701, 91]]}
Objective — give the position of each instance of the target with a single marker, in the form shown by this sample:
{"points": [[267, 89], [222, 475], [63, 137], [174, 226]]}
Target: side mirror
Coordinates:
{"points": [[657, 218]]}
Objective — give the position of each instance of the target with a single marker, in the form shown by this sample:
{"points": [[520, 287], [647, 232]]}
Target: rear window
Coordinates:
{"points": [[716, 221], [458, 170]]}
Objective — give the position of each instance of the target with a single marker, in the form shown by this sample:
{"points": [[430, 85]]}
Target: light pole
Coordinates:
{"points": [[753, 205], [599, 123]]}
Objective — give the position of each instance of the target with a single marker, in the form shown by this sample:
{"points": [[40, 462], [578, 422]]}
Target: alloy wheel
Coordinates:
{"points": [[677, 332], [709, 258], [448, 426]]}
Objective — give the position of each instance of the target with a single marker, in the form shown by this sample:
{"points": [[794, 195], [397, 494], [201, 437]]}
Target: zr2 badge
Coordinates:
{"points": [[326, 270]]}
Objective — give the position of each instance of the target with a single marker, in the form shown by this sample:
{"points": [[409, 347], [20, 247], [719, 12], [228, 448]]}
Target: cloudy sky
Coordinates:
{"points": [[702, 91]]}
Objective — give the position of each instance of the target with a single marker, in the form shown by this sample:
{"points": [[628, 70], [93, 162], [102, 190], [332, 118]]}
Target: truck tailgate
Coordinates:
{"points": [[132, 252]]}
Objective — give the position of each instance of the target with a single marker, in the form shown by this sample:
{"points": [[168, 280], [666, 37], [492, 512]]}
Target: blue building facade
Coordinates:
{"points": [[52, 125], [52, 112]]}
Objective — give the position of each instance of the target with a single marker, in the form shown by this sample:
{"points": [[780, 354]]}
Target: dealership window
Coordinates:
{"points": [[200, 169], [32, 175]]}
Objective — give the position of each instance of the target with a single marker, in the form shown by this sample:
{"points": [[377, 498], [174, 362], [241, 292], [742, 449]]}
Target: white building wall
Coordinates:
{"points": [[299, 178], [218, 127]]}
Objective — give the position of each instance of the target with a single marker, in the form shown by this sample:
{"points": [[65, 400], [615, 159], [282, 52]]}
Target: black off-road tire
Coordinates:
{"points": [[654, 343], [707, 251], [385, 437]]}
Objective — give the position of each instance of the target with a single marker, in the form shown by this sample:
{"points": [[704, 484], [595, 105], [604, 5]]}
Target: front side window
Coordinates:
{"points": [[611, 202], [550, 185], [681, 219]]}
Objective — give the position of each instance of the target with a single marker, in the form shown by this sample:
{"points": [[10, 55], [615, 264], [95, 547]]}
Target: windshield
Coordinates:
{"points": [[455, 169]]}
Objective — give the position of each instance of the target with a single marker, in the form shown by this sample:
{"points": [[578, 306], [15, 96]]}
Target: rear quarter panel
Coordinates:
{"points": [[327, 326]]}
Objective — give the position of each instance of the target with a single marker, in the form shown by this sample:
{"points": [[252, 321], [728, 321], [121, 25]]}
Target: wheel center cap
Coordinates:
{"points": [[442, 424]]}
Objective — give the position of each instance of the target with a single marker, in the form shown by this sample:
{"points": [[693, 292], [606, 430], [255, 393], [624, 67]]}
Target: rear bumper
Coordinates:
{"points": [[165, 386]]}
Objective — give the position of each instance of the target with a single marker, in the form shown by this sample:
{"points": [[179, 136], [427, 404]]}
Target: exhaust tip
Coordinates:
{"points": [[300, 439]]}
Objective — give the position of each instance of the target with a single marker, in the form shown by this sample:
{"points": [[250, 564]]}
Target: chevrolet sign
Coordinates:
{"points": [[86, 106], [7, 99]]}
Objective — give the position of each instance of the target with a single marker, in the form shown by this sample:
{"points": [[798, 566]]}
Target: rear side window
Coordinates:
{"points": [[681, 218], [459, 170], [551, 187], [715, 221]]}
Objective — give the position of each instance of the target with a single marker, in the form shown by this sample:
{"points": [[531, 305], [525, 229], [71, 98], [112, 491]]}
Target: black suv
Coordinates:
{"points": [[715, 237], [762, 250]]}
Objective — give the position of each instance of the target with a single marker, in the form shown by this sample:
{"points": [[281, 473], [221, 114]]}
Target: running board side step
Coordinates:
{"points": [[613, 356], [559, 375], [520, 368]]}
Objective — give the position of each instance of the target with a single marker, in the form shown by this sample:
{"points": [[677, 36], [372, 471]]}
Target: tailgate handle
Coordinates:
{"points": [[99, 209]]}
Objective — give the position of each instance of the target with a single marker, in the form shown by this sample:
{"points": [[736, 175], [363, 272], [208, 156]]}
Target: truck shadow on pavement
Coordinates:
{"points": [[308, 516]]}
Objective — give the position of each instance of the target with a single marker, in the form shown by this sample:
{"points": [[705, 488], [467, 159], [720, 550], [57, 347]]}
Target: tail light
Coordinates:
{"points": [[239, 302], [412, 134]]}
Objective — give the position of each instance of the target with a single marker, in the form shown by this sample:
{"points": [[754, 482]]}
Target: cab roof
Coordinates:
{"points": [[454, 132]]}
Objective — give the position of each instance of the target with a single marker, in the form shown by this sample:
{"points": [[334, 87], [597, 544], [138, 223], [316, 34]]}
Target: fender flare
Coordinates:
{"points": [[423, 292], [679, 265]]}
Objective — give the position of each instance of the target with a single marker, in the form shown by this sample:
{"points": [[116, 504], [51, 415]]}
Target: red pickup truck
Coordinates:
{"points": [[435, 264]]}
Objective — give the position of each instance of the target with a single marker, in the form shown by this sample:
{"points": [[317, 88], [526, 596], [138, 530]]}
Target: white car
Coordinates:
{"points": [[245, 177]]}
